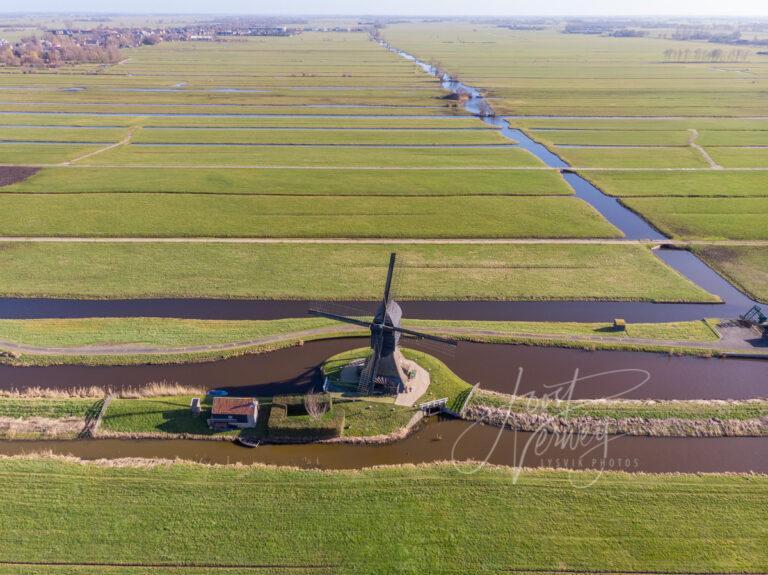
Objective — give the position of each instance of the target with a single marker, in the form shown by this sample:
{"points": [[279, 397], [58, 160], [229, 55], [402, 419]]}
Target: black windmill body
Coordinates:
{"points": [[384, 366]]}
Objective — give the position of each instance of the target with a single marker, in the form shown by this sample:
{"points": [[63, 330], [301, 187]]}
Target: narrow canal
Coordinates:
{"points": [[448, 440], [546, 371]]}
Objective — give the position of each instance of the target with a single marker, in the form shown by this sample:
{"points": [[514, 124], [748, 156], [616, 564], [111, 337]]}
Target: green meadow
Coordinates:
{"points": [[313, 156], [641, 157], [714, 183], [611, 137], [321, 137], [545, 72], [732, 157], [72, 512], [705, 218], [179, 215], [287, 182], [23, 154], [345, 271]]}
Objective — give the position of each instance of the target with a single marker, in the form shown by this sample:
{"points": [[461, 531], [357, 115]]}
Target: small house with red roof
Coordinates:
{"points": [[237, 412]]}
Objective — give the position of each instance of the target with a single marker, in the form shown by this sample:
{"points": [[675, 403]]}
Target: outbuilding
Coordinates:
{"points": [[237, 412]]}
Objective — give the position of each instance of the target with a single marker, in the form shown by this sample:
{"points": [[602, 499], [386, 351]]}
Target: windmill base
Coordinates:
{"points": [[407, 389]]}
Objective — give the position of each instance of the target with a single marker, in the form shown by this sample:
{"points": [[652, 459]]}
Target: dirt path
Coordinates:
{"points": [[704, 154], [734, 342], [123, 142]]}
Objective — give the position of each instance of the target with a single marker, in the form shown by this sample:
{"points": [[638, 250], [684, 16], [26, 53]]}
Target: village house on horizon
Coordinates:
{"points": [[233, 412]]}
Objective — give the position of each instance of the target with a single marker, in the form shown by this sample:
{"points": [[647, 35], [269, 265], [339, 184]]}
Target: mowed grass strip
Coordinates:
{"points": [[747, 267], [278, 181], [174, 333], [676, 157], [706, 218], [147, 331], [340, 271], [322, 137], [197, 215], [74, 512], [611, 137], [714, 183], [317, 156], [732, 157]]}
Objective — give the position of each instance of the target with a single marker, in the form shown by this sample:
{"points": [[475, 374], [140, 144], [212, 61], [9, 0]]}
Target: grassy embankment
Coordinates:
{"points": [[626, 408], [65, 511], [747, 267], [168, 335], [281, 271]]}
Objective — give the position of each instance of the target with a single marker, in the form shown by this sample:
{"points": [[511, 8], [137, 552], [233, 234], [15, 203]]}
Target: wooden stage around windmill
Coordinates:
{"points": [[416, 384]]}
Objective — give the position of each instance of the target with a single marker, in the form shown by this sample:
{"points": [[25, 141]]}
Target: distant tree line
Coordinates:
{"points": [[51, 51], [717, 55]]}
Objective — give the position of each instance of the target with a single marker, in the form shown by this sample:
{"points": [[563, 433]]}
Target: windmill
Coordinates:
{"points": [[384, 366]]}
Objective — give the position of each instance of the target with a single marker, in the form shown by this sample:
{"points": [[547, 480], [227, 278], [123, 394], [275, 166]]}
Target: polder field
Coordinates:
{"points": [[682, 143], [287, 170], [320, 136]]}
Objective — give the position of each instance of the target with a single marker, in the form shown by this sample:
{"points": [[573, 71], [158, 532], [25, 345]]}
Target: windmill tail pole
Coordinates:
{"points": [[390, 273]]}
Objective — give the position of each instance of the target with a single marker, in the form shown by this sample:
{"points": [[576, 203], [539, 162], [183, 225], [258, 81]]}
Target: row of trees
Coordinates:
{"points": [[52, 51], [700, 55]]}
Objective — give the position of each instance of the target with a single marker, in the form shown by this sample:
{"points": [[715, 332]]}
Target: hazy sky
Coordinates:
{"points": [[402, 7]]}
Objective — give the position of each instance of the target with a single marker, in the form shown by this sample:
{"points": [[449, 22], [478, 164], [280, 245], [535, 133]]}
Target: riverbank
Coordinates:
{"points": [[92, 513], [127, 341]]}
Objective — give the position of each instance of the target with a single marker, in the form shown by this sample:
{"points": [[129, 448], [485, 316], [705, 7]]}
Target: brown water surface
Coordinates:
{"points": [[448, 440], [495, 366]]}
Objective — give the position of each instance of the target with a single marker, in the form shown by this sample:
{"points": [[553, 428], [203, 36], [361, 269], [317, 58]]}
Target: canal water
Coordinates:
{"points": [[448, 440], [546, 372]]}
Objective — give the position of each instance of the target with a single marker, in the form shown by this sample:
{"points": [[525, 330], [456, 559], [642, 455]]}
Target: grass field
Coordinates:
{"points": [[705, 218], [66, 511], [747, 267], [647, 157], [188, 332], [611, 137], [689, 184], [322, 137], [52, 408], [240, 122], [549, 73], [295, 182], [277, 271], [155, 215], [731, 157], [22, 154]]}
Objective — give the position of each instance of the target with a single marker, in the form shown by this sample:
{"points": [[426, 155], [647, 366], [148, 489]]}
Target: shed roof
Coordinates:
{"points": [[234, 405]]}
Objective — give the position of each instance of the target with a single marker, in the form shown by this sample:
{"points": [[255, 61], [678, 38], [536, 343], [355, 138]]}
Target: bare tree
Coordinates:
{"points": [[316, 404]]}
